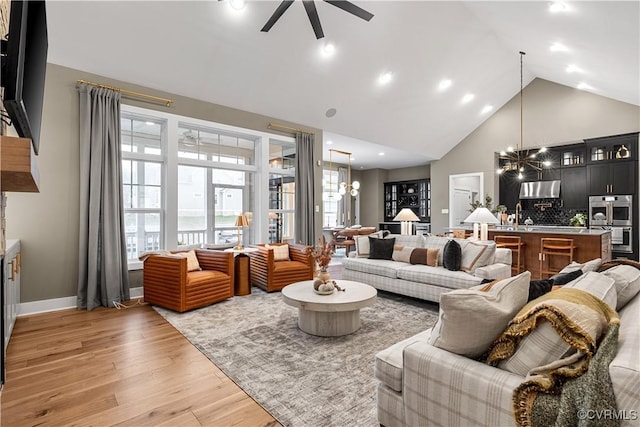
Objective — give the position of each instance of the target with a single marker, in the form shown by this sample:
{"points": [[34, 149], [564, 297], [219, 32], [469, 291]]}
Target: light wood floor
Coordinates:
{"points": [[116, 367]]}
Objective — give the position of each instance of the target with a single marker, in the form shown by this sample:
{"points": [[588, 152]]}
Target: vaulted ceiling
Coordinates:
{"points": [[209, 51]]}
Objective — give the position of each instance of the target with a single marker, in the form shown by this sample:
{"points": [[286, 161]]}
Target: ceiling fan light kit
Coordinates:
{"points": [[312, 13]]}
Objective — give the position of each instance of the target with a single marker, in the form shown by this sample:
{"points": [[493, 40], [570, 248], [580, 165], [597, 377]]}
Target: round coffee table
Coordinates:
{"points": [[331, 315]]}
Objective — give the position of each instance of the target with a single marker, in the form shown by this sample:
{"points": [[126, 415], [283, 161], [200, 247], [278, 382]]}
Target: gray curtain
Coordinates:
{"points": [[305, 195], [343, 203], [102, 265]]}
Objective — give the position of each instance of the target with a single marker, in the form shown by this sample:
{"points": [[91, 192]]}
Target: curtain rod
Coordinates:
{"points": [[129, 93], [284, 128]]}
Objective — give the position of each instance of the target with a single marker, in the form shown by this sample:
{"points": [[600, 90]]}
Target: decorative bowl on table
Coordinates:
{"points": [[319, 292]]}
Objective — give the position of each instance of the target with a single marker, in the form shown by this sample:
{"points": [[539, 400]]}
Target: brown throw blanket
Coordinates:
{"points": [[581, 319]]}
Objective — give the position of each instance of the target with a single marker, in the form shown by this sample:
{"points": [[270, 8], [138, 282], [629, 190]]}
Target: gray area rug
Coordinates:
{"points": [[302, 380]]}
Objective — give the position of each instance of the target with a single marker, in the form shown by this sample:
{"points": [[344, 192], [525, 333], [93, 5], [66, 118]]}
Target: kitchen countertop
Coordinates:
{"points": [[542, 229]]}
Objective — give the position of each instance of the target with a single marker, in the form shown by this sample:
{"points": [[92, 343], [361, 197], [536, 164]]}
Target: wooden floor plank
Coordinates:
{"points": [[116, 367]]}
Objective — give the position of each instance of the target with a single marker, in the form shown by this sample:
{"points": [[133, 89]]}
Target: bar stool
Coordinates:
{"points": [[551, 248], [515, 244]]}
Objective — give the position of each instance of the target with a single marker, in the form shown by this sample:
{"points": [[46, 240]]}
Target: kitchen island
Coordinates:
{"points": [[589, 244]]}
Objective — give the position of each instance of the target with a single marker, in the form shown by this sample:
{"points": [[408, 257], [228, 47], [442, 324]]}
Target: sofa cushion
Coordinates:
{"points": [[388, 363], [280, 252], [192, 260], [381, 248], [362, 243], [597, 284], [402, 253], [471, 319], [477, 254], [413, 240], [436, 242], [452, 256], [592, 265], [561, 279], [380, 267], [627, 282], [438, 276], [544, 345]]}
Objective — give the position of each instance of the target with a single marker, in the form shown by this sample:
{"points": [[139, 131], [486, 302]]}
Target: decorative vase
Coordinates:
{"points": [[503, 218], [324, 275]]}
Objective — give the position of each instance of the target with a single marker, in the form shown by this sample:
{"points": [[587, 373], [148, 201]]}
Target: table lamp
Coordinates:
{"points": [[241, 221], [483, 217], [406, 215]]}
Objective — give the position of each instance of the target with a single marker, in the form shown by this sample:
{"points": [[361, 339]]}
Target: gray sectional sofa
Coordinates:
{"points": [[424, 385], [480, 260]]}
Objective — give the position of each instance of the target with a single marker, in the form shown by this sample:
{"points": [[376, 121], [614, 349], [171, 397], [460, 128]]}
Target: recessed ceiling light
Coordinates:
{"points": [[385, 77], [331, 112], [467, 98], [573, 69], [352, 158], [444, 84], [329, 142], [149, 123], [558, 6], [329, 49], [486, 109], [584, 86], [558, 47], [381, 154], [237, 4]]}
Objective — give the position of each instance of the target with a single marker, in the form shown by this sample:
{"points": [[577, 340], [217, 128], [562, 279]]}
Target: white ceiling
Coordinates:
{"points": [[208, 51]]}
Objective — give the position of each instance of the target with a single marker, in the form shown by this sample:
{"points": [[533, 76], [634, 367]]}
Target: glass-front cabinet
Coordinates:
{"points": [[612, 149], [415, 194]]}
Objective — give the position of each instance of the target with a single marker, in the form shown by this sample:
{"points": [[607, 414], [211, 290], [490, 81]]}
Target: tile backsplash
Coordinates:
{"points": [[553, 215]]}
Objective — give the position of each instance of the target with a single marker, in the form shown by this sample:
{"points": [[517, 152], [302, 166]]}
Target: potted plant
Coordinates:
{"points": [[578, 220]]}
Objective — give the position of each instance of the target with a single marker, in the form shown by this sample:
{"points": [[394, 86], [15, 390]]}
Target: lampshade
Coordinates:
{"points": [[241, 221], [483, 216], [406, 214]]}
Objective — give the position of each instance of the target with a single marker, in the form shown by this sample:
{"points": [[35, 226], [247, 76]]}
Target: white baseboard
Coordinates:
{"points": [[55, 304]]}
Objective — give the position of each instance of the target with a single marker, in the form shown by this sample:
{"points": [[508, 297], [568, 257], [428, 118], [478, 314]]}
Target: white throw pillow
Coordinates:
{"points": [[471, 319], [280, 252], [362, 243], [627, 282], [592, 265], [597, 284], [192, 260], [402, 253], [476, 255]]}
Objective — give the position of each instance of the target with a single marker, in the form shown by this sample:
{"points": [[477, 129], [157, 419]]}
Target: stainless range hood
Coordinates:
{"points": [[540, 190]]}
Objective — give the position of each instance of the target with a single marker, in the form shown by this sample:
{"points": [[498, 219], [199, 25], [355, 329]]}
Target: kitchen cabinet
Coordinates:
{"points": [[612, 149], [573, 188], [415, 195], [612, 178], [11, 266]]}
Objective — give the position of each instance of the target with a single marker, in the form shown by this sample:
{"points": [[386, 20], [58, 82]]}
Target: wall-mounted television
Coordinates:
{"points": [[24, 65]]}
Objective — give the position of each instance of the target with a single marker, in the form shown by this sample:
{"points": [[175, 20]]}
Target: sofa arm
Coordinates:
{"points": [[443, 388], [503, 256], [493, 271]]}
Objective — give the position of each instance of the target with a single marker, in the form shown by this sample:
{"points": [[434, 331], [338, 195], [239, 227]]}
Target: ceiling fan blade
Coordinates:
{"points": [[312, 13], [282, 8], [347, 6]]}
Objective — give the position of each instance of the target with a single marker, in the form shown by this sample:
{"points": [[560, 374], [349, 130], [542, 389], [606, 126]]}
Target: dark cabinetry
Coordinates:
{"points": [[573, 185], [415, 195], [612, 164]]}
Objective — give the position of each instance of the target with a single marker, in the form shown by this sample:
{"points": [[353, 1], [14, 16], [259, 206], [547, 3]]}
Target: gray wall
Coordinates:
{"points": [[371, 195], [47, 222], [553, 115]]}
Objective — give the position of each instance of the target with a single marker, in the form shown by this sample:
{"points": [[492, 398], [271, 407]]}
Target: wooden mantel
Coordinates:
{"points": [[19, 172]]}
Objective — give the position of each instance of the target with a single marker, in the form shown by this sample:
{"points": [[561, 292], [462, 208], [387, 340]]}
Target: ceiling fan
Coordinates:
{"points": [[312, 13]]}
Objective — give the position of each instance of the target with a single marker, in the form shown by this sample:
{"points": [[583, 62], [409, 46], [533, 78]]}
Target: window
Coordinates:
{"points": [[281, 191], [142, 178], [186, 180], [330, 197]]}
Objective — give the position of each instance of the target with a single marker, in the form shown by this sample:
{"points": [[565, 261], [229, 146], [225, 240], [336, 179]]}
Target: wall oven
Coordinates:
{"points": [[614, 213]]}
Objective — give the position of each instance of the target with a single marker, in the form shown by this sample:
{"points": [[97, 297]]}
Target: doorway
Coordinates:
{"points": [[464, 189]]}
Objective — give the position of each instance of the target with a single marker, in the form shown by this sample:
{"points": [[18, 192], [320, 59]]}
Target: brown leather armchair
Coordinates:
{"points": [[167, 283], [272, 275]]}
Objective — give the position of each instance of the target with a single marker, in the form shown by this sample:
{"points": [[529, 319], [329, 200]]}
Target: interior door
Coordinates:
{"points": [[461, 202]]}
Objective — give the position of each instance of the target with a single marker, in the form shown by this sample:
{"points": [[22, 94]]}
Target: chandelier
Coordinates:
{"points": [[344, 187], [516, 160]]}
